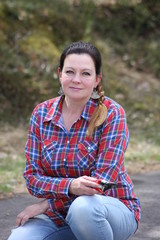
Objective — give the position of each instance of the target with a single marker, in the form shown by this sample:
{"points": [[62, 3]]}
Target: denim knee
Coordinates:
{"points": [[86, 218], [83, 210], [90, 217]]}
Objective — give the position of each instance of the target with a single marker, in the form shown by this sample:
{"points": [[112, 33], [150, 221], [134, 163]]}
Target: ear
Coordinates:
{"points": [[98, 79], [59, 74]]}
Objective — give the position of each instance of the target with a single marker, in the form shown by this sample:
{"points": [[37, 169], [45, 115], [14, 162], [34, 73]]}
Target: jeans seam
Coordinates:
{"points": [[54, 232], [123, 211]]}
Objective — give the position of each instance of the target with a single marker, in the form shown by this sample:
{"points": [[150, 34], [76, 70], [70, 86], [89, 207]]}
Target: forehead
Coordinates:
{"points": [[83, 60]]}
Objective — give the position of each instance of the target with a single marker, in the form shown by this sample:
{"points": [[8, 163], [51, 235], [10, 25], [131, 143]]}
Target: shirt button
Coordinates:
{"points": [[89, 149]]}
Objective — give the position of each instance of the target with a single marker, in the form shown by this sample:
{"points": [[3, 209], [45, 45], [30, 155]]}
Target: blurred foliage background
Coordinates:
{"points": [[32, 36]]}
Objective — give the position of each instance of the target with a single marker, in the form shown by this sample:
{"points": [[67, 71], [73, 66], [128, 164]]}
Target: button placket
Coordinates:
{"points": [[65, 166], [65, 159]]}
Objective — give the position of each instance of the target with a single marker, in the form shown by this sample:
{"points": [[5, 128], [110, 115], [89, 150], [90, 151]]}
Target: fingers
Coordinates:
{"points": [[18, 220], [89, 178], [84, 186], [27, 213], [89, 191], [21, 219], [90, 182], [24, 219], [31, 211]]}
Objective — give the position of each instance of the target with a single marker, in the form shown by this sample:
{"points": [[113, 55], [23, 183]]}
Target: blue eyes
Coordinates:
{"points": [[86, 73], [69, 72]]}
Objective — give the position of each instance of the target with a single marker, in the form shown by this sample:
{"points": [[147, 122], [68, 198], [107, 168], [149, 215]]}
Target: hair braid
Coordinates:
{"points": [[100, 113], [101, 94]]}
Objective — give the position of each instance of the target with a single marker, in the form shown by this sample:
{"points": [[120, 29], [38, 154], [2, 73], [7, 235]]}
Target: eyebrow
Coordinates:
{"points": [[84, 69]]}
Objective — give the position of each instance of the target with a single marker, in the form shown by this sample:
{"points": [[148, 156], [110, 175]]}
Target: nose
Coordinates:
{"points": [[76, 78]]}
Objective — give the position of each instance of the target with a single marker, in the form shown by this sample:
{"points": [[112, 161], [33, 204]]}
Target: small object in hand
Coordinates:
{"points": [[104, 185]]}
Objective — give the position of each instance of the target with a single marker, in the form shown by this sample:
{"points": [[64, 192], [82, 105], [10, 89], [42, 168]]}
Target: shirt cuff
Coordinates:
{"points": [[62, 189]]}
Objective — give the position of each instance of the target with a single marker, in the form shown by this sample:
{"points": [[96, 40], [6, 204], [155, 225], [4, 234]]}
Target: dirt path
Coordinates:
{"points": [[146, 187]]}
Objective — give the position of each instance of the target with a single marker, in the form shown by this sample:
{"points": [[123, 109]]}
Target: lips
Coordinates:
{"points": [[75, 88]]}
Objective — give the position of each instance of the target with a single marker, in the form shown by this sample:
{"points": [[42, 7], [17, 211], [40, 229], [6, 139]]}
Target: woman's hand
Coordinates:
{"points": [[31, 211], [84, 186]]}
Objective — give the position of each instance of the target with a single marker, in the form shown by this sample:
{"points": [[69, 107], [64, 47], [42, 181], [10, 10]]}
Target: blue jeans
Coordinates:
{"points": [[89, 218]]}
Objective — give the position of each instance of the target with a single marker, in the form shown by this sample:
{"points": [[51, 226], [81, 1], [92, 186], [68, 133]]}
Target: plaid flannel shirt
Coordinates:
{"points": [[54, 157]]}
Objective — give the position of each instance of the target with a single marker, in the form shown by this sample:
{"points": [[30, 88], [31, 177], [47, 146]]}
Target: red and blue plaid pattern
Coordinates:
{"points": [[54, 157]]}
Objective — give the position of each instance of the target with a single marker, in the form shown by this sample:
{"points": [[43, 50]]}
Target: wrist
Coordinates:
{"points": [[70, 189], [44, 205]]}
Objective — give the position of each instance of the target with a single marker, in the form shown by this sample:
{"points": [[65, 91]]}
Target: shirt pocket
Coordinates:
{"points": [[49, 155], [87, 153]]}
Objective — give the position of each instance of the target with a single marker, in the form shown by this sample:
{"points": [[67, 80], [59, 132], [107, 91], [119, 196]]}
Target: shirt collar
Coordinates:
{"points": [[89, 109], [55, 111]]}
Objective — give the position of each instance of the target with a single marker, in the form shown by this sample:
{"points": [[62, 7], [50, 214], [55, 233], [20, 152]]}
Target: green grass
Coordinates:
{"points": [[142, 151], [11, 171], [158, 157]]}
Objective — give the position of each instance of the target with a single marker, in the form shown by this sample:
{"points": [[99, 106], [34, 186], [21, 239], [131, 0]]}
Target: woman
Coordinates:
{"points": [[75, 140]]}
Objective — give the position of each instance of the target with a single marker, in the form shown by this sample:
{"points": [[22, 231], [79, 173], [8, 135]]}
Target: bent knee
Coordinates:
{"points": [[81, 204], [84, 208], [27, 233], [17, 234]]}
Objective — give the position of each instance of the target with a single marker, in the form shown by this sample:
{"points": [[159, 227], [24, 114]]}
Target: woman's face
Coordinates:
{"points": [[78, 77]]}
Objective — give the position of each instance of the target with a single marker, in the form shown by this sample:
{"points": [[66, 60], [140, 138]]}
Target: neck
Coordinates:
{"points": [[73, 107], [71, 111]]}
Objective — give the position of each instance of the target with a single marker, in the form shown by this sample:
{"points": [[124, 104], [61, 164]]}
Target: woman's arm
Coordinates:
{"points": [[80, 186], [112, 147], [38, 182]]}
